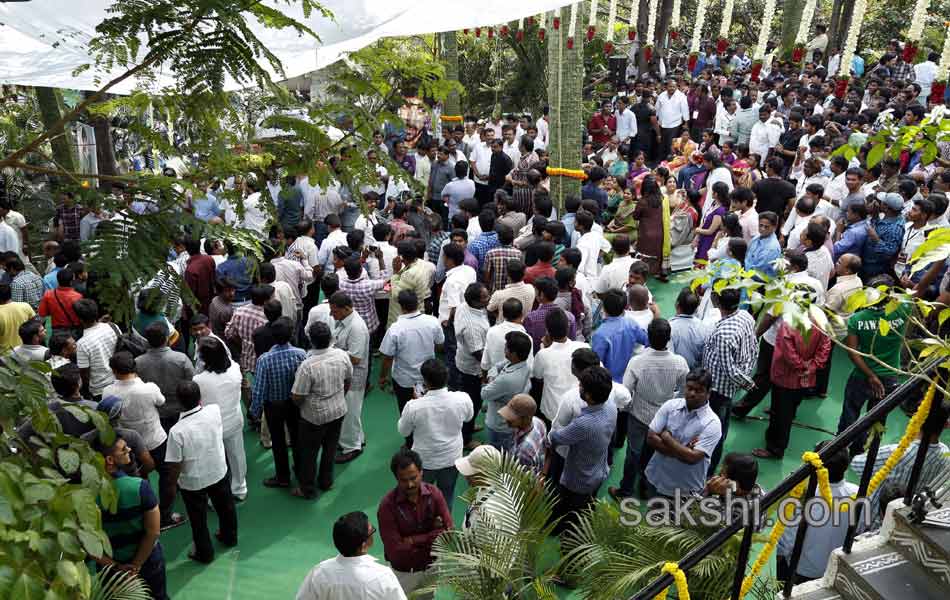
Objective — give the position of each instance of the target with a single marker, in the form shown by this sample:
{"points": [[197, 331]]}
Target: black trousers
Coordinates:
{"points": [[823, 375], [667, 135], [311, 440], [784, 406], [165, 499], [569, 505], [763, 382], [280, 414], [471, 385], [403, 396], [722, 406], [483, 193], [196, 503]]}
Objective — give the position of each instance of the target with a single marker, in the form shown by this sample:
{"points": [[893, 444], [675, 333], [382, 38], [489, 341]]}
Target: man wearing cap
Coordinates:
{"points": [[530, 441], [884, 235], [411, 517], [472, 467], [435, 421]]}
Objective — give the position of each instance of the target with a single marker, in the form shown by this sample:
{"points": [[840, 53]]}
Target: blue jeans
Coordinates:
{"points": [[444, 479], [857, 392], [635, 462], [502, 440]]}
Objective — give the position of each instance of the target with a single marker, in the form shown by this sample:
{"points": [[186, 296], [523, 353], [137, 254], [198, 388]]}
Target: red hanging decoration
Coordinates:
{"points": [[557, 23], [541, 34], [504, 31], [465, 31], [570, 43], [722, 44], [798, 53], [691, 62], [841, 87], [519, 35], [674, 34], [648, 52], [478, 32], [937, 90], [910, 52], [608, 48], [530, 21], [590, 33], [756, 70], [631, 34], [491, 32]]}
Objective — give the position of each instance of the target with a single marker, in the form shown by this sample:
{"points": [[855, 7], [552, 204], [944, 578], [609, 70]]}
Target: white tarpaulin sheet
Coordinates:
{"points": [[43, 41]]}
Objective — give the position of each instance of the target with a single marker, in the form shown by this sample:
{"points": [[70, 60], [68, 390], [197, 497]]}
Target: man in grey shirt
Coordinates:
{"points": [[166, 368], [505, 380], [443, 171], [687, 332]]}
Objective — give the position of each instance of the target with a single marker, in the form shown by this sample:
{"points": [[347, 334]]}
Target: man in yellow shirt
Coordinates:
{"points": [[12, 315]]}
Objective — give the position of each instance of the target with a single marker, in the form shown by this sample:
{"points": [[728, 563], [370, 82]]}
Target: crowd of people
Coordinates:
{"points": [[479, 294]]}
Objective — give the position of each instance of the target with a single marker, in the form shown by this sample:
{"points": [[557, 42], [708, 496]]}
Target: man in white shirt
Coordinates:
{"points": [[672, 112], [353, 574], [591, 243], [614, 276], [195, 457], [435, 421], [552, 364], [765, 134], [626, 121], [543, 128], [335, 237], [924, 75], [512, 313], [818, 43], [820, 263]]}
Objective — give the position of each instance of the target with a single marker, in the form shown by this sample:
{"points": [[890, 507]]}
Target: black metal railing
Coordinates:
{"points": [[877, 414]]}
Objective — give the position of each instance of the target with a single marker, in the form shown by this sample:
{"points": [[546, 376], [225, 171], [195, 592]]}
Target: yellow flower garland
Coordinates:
{"points": [[451, 118], [679, 580], [572, 173], [913, 430]]}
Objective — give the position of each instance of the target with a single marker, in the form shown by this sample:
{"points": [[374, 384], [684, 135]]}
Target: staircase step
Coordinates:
{"points": [[884, 574], [927, 544], [818, 594]]}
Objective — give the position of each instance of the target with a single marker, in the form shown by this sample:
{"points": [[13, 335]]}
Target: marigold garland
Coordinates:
{"points": [[913, 430], [679, 580], [777, 530], [824, 483], [451, 118], [572, 173]]}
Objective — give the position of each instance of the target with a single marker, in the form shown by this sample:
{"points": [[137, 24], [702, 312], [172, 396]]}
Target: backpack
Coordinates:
{"points": [[130, 342]]}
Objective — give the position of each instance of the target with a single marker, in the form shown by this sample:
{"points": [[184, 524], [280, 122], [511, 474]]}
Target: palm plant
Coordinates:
{"points": [[609, 559], [502, 556], [110, 584]]}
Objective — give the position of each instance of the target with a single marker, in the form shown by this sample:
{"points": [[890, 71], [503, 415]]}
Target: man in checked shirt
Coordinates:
{"points": [[729, 356]]}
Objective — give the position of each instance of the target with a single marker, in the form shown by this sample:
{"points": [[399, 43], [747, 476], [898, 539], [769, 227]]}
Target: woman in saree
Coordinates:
{"points": [[683, 148], [706, 233], [623, 222], [683, 221], [615, 187], [653, 223], [619, 167], [745, 168], [730, 229], [637, 167], [522, 192]]}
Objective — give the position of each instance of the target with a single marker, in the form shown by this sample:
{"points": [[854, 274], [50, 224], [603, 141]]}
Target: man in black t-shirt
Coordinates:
{"points": [[774, 193]]}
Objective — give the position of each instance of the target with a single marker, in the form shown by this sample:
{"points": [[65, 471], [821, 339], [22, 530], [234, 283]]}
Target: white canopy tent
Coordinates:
{"points": [[42, 42]]}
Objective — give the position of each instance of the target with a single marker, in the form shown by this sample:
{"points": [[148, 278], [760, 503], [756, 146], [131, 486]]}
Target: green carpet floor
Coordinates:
{"points": [[282, 537]]}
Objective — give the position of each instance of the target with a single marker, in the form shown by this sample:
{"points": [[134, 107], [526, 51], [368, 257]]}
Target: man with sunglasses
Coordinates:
{"points": [[353, 574]]}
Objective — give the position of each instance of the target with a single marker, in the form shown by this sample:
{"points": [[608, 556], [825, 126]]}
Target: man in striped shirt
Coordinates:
{"points": [[496, 260]]}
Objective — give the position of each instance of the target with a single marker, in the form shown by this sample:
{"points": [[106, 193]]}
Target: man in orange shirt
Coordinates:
{"points": [[57, 303]]}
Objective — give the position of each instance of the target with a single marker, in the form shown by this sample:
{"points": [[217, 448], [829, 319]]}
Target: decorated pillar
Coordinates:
{"points": [[632, 21], [759, 55], [675, 19], [450, 57], [650, 40], [939, 86], [851, 42], [916, 30], [694, 43], [804, 28], [565, 99], [723, 42]]}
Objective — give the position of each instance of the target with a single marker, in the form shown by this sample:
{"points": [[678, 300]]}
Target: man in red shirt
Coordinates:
{"points": [[410, 518], [199, 277], [603, 125], [542, 268], [57, 303]]}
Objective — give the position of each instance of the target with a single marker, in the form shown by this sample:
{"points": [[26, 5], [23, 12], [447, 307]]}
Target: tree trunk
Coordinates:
{"points": [[105, 156], [450, 56], [643, 22], [844, 20], [791, 19], [50, 101], [565, 89], [663, 26]]}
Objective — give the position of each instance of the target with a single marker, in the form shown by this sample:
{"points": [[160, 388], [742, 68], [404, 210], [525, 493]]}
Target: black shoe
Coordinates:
{"points": [[273, 482]]}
